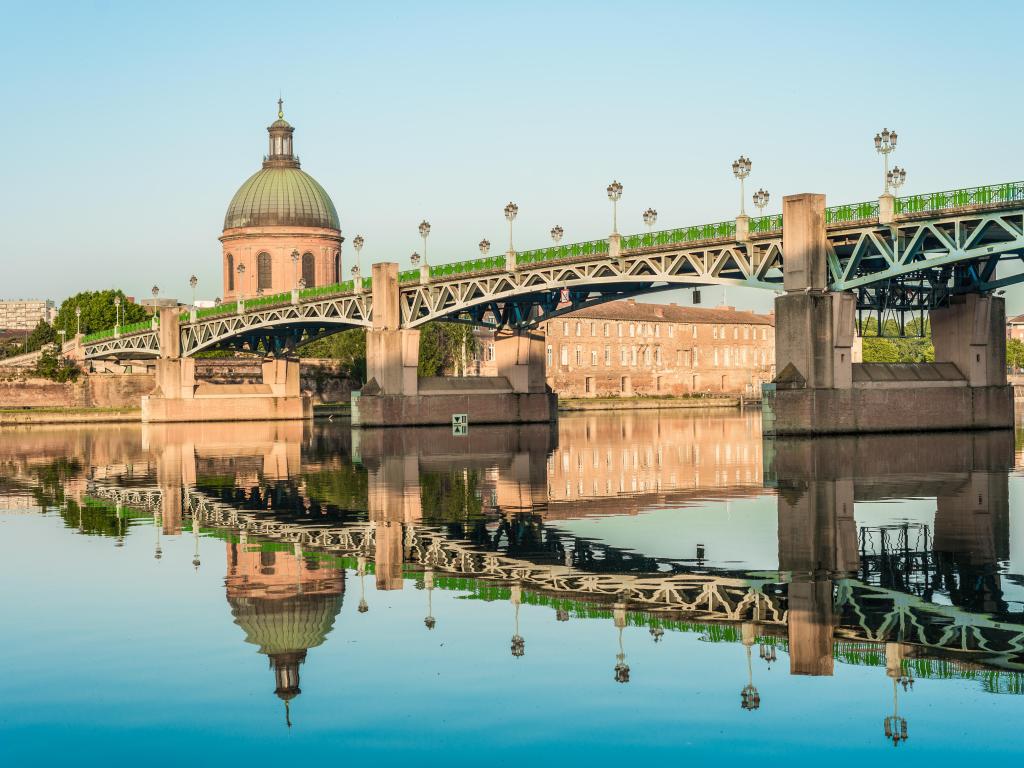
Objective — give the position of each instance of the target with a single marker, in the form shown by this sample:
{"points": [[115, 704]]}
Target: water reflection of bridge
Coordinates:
{"points": [[815, 603]]}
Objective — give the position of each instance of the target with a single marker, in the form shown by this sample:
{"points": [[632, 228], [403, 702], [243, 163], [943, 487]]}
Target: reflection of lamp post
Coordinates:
{"points": [[195, 536], [894, 725], [621, 667], [361, 570], [885, 143], [119, 512], [615, 194], [657, 633], [750, 698], [157, 553], [518, 643], [428, 581]]}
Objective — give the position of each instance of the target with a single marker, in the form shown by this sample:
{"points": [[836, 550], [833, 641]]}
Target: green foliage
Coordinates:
{"points": [[1015, 354], [348, 347], [445, 347], [42, 334], [54, 366], [451, 496], [98, 311], [916, 347], [344, 486]]}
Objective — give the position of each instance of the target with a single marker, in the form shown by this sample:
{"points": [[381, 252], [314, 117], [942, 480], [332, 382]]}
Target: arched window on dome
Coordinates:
{"points": [[337, 266], [308, 270], [264, 272], [231, 272]]}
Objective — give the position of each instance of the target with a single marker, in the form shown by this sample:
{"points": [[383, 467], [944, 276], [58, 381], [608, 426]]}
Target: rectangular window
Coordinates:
{"points": [[694, 329], [593, 357], [565, 329], [622, 356], [657, 356], [746, 331], [579, 356], [619, 325], [607, 330], [593, 329], [657, 331], [671, 331], [607, 355], [735, 332], [579, 329], [632, 330], [551, 356], [764, 334], [647, 356], [564, 355], [716, 356], [727, 356], [589, 383], [632, 356], [714, 332]]}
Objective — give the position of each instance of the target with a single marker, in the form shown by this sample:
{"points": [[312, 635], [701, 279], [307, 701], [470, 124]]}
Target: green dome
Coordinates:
{"points": [[281, 197]]}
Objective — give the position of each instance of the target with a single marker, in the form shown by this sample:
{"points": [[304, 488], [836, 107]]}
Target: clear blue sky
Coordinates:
{"points": [[129, 126]]}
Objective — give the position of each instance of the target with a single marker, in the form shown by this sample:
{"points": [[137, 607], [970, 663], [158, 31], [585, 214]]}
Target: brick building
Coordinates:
{"points": [[625, 348], [1015, 328]]}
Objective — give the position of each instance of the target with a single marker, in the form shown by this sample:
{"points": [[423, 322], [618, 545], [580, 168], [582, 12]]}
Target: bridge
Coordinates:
{"points": [[906, 254]]}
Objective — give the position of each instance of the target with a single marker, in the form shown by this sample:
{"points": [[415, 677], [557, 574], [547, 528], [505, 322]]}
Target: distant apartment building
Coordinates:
{"points": [[626, 348], [1015, 328], [24, 314]]}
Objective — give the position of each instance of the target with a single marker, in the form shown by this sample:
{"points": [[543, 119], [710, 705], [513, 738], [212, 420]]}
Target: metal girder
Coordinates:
{"points": [[137, 345], [600, 277]]}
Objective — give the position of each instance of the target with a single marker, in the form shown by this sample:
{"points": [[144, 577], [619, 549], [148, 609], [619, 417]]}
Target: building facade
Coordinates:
{"points": [[626, 348], [281, 230], [25, 314], [1015, 328]]}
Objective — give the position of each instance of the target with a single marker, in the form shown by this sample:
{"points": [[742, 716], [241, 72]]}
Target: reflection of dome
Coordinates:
{"points": [[288, 624]]}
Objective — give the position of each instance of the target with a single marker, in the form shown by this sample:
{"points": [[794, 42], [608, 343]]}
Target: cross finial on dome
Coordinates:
{"points": [[280, 108]]}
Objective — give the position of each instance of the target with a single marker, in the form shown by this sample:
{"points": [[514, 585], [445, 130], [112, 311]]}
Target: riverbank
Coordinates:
{"points": [[18, 416], [644, 403]]}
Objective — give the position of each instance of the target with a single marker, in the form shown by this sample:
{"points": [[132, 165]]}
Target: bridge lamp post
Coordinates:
{"points": [[358, 245], [295, 268], [896, 177], [63, 337], [155, 290], [424, 231], [241, 275], [650, 219], [885, 143], [193, 282], [78, 321], [615, 194], [117, 313], [485, 246], [761, 200], [741, 169], [511, 211], [556, 234]]}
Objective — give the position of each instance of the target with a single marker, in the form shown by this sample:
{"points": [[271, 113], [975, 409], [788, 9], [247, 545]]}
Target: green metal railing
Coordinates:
{"points": [[460, 267], [842, 214], [126, 330], [715, 231], [322, 291], [559, 252], [760, 225], [961, 198]]}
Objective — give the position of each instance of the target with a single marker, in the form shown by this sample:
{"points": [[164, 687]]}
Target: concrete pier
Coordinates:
{"points": [[180, 398], [821, 389], [395, 396]]}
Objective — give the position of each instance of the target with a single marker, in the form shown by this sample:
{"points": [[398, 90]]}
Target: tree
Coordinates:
{"points": [[889, 347], [55, 367], [445, 347], [98, 311], [348, 347], [42, 334], [1015, 354]]}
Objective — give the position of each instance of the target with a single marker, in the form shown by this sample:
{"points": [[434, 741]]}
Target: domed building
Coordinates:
{"points": [[281, 226]]}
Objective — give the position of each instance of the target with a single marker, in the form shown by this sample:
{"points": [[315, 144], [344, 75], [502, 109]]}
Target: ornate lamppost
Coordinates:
{"points": [[241, 274], [361, 570], [885, 144], [117, 313], [511, 211], [195, 537], [761, 200], [295, 268], [621, 667], [650, 219], [155, 290], [78, 321], [897, 177], [193, 282], [428, 582], [556, 234], [485, 246], [357, 243], [741, 169], [615, 194], [424, 231]]}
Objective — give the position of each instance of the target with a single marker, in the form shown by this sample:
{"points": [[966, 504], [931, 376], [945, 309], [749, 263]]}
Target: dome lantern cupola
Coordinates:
{"points": [[281, 154]]}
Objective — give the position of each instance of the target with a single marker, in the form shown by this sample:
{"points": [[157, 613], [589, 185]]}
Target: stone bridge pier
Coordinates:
{"points": [[395, 395], [179, 397], [822, 387]]}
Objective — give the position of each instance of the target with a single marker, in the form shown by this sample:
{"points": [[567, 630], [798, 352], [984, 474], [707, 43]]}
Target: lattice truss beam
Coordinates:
{"points": [[529, 295], [137, 345]]}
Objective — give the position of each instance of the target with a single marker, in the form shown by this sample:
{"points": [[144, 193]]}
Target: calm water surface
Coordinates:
{"points": [[622, 588]]}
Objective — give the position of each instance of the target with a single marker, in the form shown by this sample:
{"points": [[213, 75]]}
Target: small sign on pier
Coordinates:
{"points": [[460, 424]]}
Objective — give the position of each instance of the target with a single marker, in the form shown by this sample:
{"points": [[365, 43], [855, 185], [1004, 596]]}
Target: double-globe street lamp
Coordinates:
{"points": [[615, 194], [896, 177], [424, 229], [885, 144], [357, 243], [741, 169], [511, 211], [761, 200]]}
